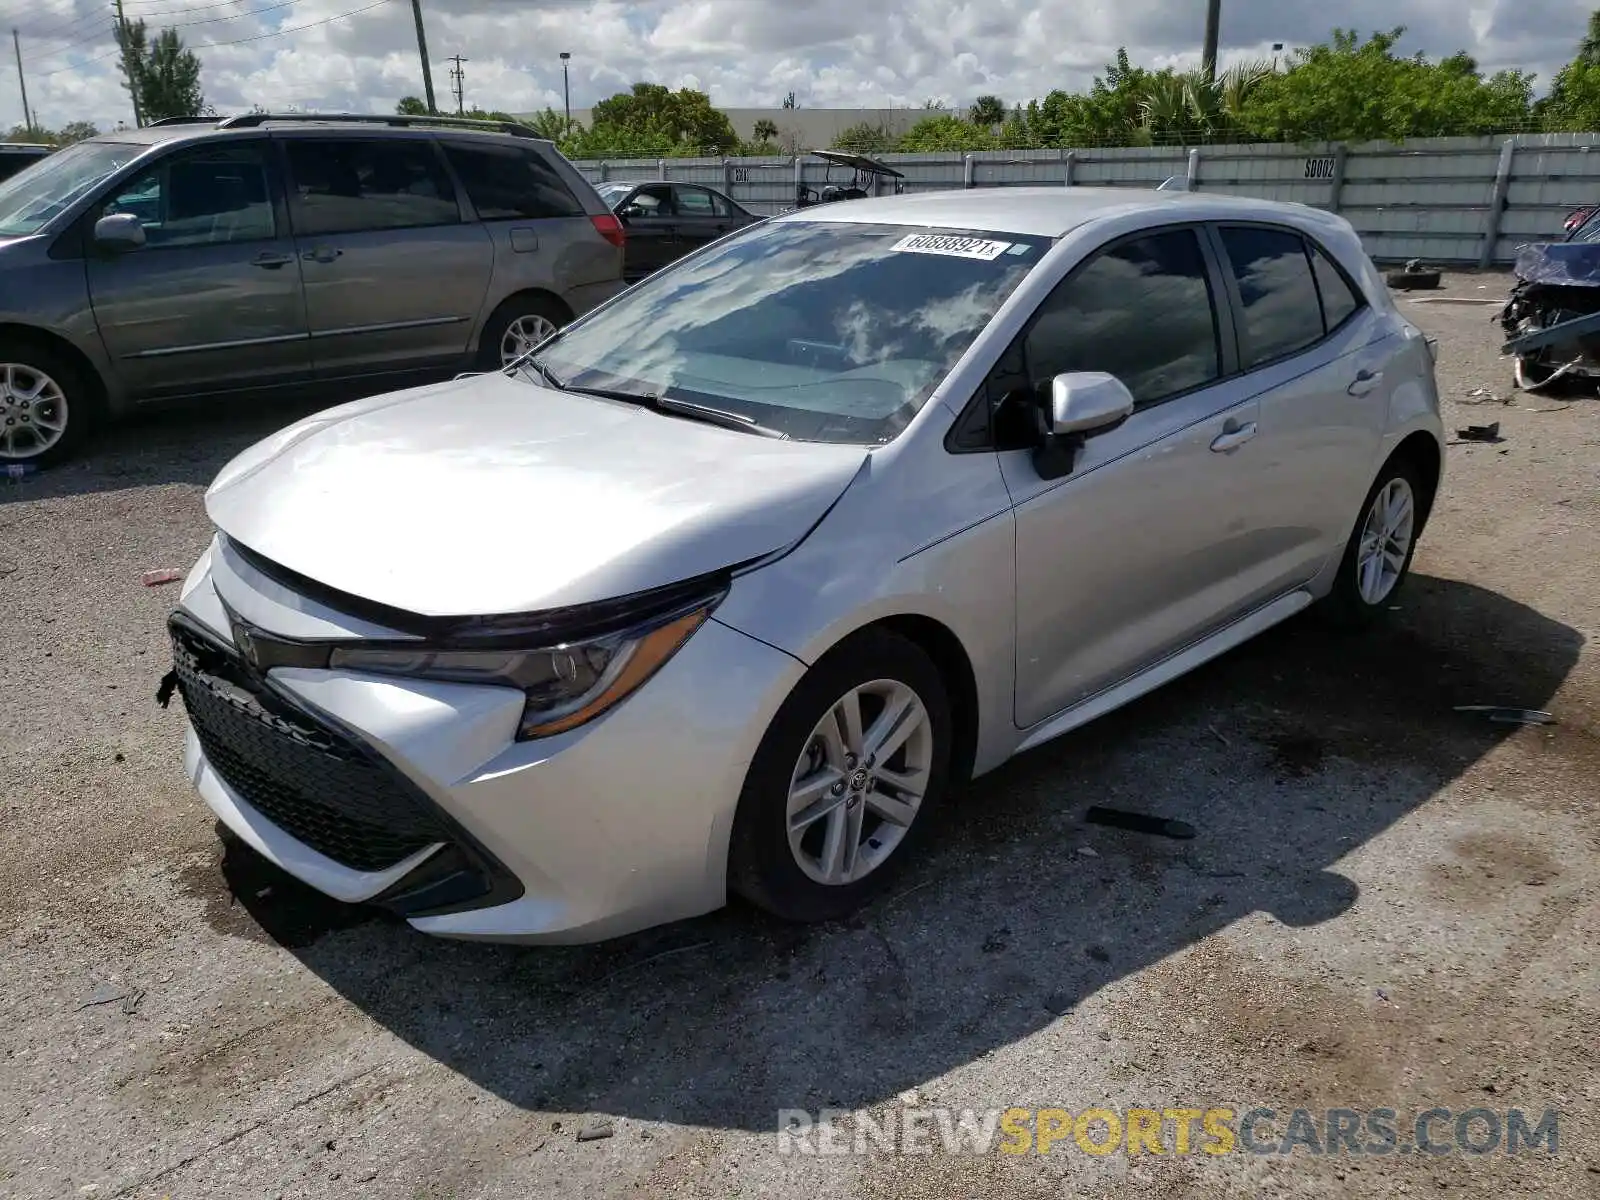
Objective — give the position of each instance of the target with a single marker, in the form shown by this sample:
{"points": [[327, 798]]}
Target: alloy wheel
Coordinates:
{"points": [[522, 335], [33, 411], [859, 782], [1385, 540]]}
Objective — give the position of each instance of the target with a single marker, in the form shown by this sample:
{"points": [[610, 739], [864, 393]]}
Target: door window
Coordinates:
{"points": [[1282, 313], [1141, 310], [348, 185], [694, 202], [653, 200], [507, 183], [204, 197]]}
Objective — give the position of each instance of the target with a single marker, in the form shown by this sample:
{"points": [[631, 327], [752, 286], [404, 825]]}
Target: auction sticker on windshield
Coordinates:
{"points": [[959, 247]]}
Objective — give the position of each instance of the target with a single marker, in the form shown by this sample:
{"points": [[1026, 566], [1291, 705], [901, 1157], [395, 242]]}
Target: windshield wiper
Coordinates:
{"points": [[527, 359], [716, 416]]}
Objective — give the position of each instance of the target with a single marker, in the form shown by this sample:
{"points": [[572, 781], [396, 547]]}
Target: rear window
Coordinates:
{"points": [[508, 183]]}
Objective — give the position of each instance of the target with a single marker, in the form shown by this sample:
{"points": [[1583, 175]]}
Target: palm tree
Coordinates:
{"points": [[765, 130], [1589, 48]]}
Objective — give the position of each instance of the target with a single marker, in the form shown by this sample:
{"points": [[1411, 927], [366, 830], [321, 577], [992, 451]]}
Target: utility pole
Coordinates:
{"points": [[16, 44], [460, 82], [1208, 55], [128, 66], [422, 52], [566, 92]]}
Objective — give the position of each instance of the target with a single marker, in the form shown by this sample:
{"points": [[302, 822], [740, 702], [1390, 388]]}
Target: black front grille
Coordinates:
{"points": [[312, 780]]}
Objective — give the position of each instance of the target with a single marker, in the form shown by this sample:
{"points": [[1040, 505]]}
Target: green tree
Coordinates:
{"points": [[944, 132], [765, 130], [76, 131], [1349, 90], [987, 112], [1573, 105], [164, 73], [864, 138], [411, 106], [681, 122]]}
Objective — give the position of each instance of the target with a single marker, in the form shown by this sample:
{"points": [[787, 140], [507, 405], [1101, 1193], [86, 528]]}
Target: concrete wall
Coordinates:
{"points": [[1434, 199]]}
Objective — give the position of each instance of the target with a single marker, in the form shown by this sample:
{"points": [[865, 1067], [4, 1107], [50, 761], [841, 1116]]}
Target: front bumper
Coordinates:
{"points": [[423, 801]]}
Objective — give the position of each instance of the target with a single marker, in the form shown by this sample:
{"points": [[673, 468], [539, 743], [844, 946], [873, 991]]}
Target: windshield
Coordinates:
{"points": [[822, 330], [1589, 230], [31, 197]]}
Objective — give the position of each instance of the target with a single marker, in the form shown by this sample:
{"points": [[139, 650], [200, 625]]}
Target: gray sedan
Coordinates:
{"points": [[729, 583]]}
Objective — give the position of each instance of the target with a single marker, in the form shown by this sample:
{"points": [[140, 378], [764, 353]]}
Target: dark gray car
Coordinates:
{"points": [[198, 258], [665, 221]]}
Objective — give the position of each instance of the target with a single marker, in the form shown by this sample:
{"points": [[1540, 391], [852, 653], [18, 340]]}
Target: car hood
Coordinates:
{"points": [[491, 495]]}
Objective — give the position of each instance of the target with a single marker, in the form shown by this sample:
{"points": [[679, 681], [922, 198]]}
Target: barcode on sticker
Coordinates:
{"points": [[959, 247]]}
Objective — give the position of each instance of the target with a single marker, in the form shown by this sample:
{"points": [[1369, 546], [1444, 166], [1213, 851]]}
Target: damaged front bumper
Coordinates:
{"points": [[1552, 318]]}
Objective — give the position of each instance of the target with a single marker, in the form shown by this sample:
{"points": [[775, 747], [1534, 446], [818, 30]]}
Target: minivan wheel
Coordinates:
{"points": [[516, 327], [46, 406], [845, 781], [1377, 559]]}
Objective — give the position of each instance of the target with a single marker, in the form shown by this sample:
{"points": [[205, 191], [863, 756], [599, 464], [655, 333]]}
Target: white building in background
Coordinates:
{"points": [[809, 128]]}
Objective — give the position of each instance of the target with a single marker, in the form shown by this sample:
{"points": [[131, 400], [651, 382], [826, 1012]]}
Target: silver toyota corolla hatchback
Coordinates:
{"points": [[725, 586]]}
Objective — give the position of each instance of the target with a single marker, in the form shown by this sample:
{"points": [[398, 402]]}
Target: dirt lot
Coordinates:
{"points": [[1389, 904]]}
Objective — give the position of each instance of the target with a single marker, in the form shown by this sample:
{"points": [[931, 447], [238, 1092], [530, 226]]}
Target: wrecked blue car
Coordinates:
{"points": [[1552, 317]]}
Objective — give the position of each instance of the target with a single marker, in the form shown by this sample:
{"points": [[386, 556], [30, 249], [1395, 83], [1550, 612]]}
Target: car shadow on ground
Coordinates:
{"points": [[1286, 756]]}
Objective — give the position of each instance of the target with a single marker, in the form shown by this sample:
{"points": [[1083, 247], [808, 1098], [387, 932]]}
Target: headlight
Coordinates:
{"points": [[566, 685]]}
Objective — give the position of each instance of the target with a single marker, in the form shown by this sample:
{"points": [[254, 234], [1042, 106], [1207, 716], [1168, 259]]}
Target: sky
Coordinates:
{"points": [[321, 55]]}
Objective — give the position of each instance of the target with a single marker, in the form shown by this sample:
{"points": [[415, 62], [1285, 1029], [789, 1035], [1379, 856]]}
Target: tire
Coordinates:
{"points": [[763, 867], [1349, 605], [38, 385], [526, 310]]}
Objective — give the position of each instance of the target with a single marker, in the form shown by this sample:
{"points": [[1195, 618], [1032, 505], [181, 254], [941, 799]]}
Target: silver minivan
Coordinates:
{"points": [[201, 257]]}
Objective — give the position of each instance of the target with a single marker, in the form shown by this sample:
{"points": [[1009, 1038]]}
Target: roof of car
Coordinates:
{"points": [[1035, 211], [192, 129]]}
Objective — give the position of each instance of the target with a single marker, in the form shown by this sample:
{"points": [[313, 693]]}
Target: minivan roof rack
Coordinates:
{"points": [[184, 121], [251, 120]]}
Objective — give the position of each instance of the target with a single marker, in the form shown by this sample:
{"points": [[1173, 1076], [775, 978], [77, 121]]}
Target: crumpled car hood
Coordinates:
{"points": [[491, 495]]}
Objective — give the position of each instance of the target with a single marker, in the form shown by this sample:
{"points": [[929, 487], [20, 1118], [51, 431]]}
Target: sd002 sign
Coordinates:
{"points": [[1320, 167]]}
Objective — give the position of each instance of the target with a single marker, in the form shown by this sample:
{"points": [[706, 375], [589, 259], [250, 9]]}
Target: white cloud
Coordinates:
{"points": [[745, 53]]}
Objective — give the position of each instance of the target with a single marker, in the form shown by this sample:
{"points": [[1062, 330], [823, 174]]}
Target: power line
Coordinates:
{"points": [[232, 42]]}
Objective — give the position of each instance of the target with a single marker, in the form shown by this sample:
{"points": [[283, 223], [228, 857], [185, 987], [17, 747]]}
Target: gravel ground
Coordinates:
{"points": [[1388, 904]]}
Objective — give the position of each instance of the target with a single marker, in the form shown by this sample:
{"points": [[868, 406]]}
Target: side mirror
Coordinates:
{"points": [[1082, 403], [119, 232]]}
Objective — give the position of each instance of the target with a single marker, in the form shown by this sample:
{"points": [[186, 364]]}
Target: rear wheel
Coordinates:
{"points": [[845, 781], [47, 406], [516, 327], [1377, 559]]}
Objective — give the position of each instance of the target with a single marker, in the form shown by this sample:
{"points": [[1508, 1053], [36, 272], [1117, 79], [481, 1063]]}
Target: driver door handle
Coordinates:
{"points": [[1232, 439], [270, 261], [1366, 379]]}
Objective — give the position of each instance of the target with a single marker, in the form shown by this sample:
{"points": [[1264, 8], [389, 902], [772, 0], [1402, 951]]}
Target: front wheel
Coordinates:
{"points": [[46, 406], [1377, 559], [845, 781]]}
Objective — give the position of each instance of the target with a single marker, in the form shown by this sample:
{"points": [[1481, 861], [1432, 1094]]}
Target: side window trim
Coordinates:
{"points": [[277, 193], [964, 435], [1236, 299]]}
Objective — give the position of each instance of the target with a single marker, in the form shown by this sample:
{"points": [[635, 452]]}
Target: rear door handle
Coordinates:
{"points": [[322, 254], [1232, 439], [1366, 379], [271, 262]]}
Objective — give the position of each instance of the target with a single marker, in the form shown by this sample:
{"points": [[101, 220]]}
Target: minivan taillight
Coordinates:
{"points": [[611, 229]]}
